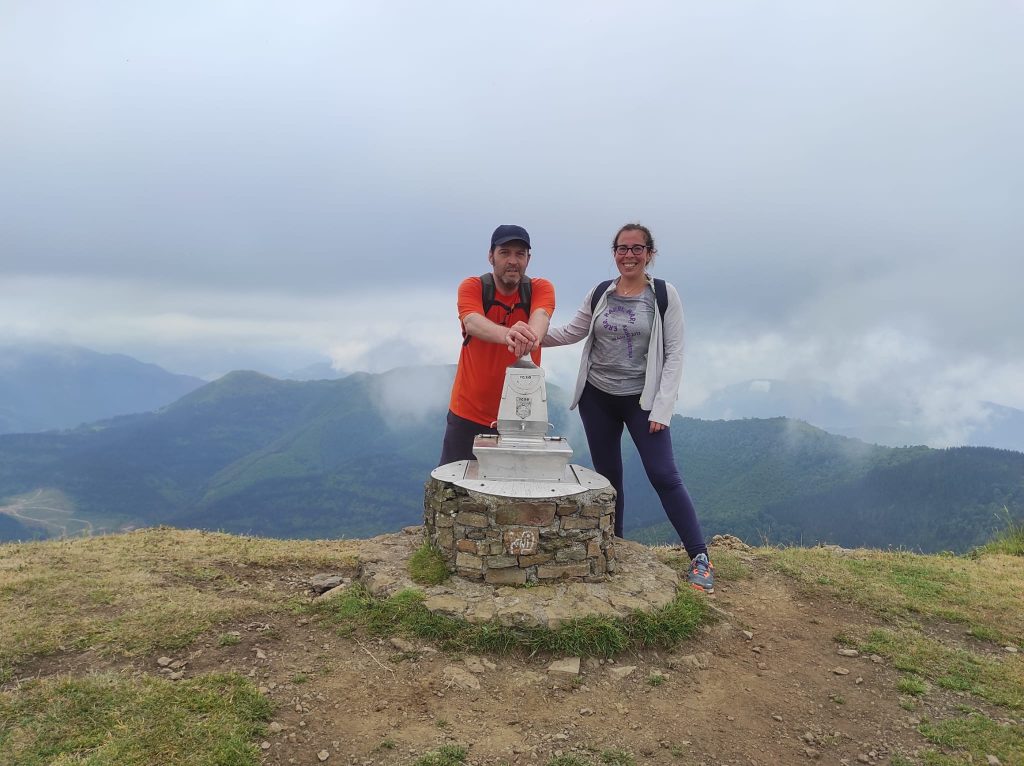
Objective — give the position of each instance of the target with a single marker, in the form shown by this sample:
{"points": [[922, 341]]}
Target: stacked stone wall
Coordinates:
{"points": [[514, 541]]}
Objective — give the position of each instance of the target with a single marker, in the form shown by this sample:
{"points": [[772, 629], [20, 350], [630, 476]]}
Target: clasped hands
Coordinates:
{"points": [[520, 339]]}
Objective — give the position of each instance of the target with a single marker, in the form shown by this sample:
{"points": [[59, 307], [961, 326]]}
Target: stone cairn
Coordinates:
{"points": [[514, 541], [519, 513]]}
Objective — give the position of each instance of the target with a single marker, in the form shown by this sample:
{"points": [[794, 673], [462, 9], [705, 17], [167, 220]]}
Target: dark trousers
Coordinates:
{"points": [[603, 417], [458, 438]]}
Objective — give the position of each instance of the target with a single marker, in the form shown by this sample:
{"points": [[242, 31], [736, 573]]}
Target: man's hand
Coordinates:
{"points": [[520, 339], [655, 427]]}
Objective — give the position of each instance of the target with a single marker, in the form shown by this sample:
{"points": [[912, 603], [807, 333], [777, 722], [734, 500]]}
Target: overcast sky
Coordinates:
{"points": [[835, 187]]}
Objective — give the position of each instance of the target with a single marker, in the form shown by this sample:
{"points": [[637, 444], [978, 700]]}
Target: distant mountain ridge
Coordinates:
{"points": [[993, 425], [45, 386], [349, 457]]}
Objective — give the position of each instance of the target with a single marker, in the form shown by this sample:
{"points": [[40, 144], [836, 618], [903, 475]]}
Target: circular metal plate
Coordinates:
{"points": [[463, 473]]}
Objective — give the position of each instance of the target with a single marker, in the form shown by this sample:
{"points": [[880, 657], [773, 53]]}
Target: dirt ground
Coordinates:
{"points": [[773, 697]]}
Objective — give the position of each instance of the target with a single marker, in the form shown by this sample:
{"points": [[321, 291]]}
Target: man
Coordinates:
{"points": [[495, 337]]}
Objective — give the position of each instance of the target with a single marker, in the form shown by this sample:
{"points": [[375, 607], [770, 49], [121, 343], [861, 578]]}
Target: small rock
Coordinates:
{"points": [[841, 671], [762, 666], [863, 758], [265, 745], [567, 667], [755, 649], [1012, 650], [859, 681], [260, 655], [263, 690], [586, 711], [621, 671], [992, 760], [333, 593], [473, 665], [848, 653], [810, 752], [748, 635], [275, 727], [324, 582], [164, 661], [402, 645], [323, 755], [177, 675], [777, 718], [459, 677], [178, 664], [876, 659], [696, 661]]}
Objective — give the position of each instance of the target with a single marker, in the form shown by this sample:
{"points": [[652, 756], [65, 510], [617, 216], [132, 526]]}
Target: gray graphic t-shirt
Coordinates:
{"points": [[622, 335]]}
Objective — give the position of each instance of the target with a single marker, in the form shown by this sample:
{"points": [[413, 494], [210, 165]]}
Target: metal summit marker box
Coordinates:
{"points": [[522, 450]]}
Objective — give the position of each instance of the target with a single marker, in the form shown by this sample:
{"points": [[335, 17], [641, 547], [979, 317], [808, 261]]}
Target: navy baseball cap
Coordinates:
{"points": [[507, 233]]}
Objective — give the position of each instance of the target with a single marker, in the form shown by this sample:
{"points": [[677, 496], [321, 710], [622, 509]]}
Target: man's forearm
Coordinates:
{"points": [[483, 328]]}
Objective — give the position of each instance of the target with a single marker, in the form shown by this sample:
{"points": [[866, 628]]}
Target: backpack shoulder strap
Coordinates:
{"points": [[487, 291], [598, 292], [661, 296], [525, 294]]}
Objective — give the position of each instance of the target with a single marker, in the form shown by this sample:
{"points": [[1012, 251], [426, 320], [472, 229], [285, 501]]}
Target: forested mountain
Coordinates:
{"points": [[252, 454], [44, 386]]}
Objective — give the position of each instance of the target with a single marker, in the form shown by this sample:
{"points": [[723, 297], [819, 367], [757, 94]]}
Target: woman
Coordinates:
{"points": [[629, 376]]}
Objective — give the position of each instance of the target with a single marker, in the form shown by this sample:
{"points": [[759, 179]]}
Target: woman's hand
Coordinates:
{"points": [[655, 427]]}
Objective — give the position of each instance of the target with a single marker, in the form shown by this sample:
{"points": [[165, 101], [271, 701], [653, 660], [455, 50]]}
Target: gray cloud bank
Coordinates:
{"points": [[834, 187]]}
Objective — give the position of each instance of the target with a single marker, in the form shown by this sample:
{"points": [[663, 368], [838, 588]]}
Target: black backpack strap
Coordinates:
{"points": [[525, 295], [488, 292], [596, 295], [661, 296]]}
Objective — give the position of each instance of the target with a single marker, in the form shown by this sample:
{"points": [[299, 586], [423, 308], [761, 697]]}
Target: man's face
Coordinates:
{"points": [[509, 262]]}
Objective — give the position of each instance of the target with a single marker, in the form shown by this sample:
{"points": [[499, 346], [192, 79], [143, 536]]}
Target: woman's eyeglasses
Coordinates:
{"points": [[634, 249]]}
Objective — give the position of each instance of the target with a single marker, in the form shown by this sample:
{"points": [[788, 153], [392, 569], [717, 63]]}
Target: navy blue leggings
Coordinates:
{"points": [[603, 416]]}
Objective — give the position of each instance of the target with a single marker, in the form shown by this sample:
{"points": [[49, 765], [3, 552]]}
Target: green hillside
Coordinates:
{"points": [[252, 454]]}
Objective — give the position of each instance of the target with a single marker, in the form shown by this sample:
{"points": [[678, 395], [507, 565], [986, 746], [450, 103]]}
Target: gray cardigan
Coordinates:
{"points": [[664, 366]]}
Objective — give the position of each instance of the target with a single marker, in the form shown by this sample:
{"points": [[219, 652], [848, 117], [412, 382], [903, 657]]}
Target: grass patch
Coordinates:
{"points": [[109, 719], [655, 679], [427, 566], [229, 639], [568, 760], [1001, 683], [981, 592], [404, 613], [911, 685], [446, 755], [152, 590], [1010, 541], [972, 739], [617, 758]]}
